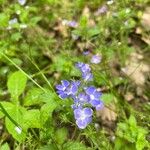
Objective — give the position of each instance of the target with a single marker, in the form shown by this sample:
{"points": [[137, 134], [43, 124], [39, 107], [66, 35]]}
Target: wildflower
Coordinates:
{"points": [[96, 59], [94, 97], [82, 99], [13, 21], [21, 2], [85, 70], [82, 96], [86, 52], [83, 117], [62, 88], [72, 23], [101, 10], [67, 88]]}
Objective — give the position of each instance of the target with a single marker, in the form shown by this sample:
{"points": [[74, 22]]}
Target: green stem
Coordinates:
{"points": [[23, 72]]}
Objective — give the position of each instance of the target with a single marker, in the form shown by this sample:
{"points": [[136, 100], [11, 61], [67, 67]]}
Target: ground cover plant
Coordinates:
{"points": [[74, 75]]}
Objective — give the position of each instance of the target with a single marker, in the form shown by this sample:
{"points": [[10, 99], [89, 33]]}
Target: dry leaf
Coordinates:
{"points": [[107, 113], [146, 19], [129, 96], [136, 69]]}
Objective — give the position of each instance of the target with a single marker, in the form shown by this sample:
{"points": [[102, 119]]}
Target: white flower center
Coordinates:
{"points": [[92, 97]]}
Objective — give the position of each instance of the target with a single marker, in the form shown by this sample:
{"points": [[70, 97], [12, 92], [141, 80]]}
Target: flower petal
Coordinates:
{"points": [[77, 113], [81, 123], [65, 83], [90, 90], [88, 112]]}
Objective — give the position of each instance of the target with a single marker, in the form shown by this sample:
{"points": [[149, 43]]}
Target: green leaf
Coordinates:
{"points": [[33, 97], [18, 132], [46, 111], [107, 98], [61, 135], [3, 20], [16, 84], [74, 146], [141, 141], [93, 32], [132, 121], [7, 106], [5, 146], [16, 36], [32, 118]]}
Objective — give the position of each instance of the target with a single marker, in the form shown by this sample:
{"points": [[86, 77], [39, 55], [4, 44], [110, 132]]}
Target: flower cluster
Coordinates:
{"points": [[84, 96]]}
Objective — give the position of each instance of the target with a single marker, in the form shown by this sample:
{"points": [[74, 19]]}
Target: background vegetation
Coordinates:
{"points": [[40, 41]]}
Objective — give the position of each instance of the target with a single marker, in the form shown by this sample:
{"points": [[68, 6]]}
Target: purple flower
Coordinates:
{"points": [[21, 2], [83, 117], [101, 10], [85, 70], [61, 89], [69, 23], [86, 52], [96, 59], [82, 96], [94, 97], [72, 89], [66, 88], [80, 100], [72, 24]]}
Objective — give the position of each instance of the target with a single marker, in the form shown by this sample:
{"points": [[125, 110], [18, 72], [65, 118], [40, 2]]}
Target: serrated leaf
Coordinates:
{"points": [[32, 118], [16, 84], [33, 97], [46, 111]]}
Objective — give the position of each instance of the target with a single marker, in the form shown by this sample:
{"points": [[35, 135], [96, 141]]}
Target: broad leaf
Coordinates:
{"points": [[33, 97], [16, 84], [18, 132], [46, 111], [32, 118]]}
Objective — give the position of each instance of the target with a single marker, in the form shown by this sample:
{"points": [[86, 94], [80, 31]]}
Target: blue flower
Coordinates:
{"points": [[83, 117], [80, 100], [85, 70], [86, 52], [67, 88], [94, 97], [82, 96], [21, 2], [96, 59], [61, 89], [101, 10]]}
